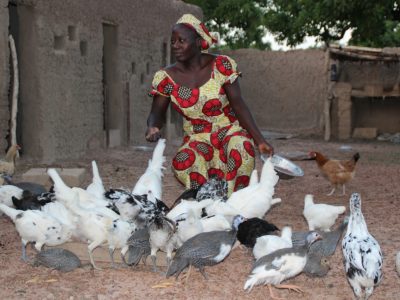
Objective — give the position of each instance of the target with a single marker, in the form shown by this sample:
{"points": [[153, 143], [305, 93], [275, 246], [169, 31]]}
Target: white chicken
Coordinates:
{"points": [[186, 205], [362, 253], [267, 244], [7, 192], [216, 223], [255, 200], [38, 227], [188, 227], [253, 177], [117, 237], [151, 180], [96, 187], [221, 208], [163, 237], [65, 194], [320, 216], [69, 221]]}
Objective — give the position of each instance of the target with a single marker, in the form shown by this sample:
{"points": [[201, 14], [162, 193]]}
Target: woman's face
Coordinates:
{"points": [[184, 43]]}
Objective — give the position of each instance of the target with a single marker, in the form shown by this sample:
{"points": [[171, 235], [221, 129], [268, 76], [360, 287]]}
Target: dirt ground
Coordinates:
{"points": [[377, 180]]}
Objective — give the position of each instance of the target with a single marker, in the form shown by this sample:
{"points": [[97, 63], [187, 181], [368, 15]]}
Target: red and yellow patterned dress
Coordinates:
{"points": [[214, 144]]}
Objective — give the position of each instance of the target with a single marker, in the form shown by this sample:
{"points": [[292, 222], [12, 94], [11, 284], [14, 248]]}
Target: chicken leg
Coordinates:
{"points": [[272, 294], [292, 287], [91, 247]]}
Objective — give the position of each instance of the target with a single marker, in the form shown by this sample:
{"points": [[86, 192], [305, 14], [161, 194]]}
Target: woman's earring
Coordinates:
{"points": [[204, 45]]}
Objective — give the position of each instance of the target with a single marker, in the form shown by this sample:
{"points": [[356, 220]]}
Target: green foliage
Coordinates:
{"points": [[243, 23], [329, 19]]}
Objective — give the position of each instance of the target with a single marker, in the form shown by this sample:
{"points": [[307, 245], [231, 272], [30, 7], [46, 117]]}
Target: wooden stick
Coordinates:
{"points": [[15, 89]]}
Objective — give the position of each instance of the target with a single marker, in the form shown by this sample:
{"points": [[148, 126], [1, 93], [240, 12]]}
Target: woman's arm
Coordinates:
{"points": [[156, 118], [244, 116]]}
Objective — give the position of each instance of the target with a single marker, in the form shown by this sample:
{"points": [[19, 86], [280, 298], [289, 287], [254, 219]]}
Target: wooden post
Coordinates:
{"points": [[15, 89]]}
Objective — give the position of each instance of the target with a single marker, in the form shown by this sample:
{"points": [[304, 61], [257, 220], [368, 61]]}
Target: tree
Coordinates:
{"points": [[328, 20], [243, 23], [239, 22]]}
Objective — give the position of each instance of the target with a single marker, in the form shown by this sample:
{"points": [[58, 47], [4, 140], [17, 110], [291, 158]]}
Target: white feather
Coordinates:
{"points": [[151, 180], [256, 199], [267, 244], [320, 216]]}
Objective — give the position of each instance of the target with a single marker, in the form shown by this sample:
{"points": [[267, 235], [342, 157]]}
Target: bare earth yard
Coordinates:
{"points": [[377, 180]]}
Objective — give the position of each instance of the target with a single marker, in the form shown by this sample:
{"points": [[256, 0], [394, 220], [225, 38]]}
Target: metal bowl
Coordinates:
{"points": [[285, 168]]}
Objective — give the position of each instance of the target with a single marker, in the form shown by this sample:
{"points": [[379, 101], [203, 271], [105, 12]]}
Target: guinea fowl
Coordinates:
{"points": [[33, 187], [38, 227], [280, 265], [255, 200], [151, 180], [204, 249], [362, 253], [320, 216], [328, 244], [251, 229], [139, 247], [267, 244], [58, 259]]}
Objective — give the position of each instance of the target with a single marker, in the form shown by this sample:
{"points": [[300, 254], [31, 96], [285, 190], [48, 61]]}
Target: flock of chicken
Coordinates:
{"points": [[201, 227]]}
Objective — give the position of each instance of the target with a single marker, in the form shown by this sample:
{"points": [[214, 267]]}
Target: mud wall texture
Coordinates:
{"points": [[4, 76], [285, 91], [71, 54]]}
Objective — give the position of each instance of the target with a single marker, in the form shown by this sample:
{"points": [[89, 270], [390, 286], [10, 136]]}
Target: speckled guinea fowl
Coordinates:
{"points": [[328, 244], [280, 265], [252, 228], [139, 247], [204, 249], [58, 259]]}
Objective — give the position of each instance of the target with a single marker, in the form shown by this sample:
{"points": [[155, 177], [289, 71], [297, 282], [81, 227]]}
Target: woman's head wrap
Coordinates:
{"points": [[198, 26]]}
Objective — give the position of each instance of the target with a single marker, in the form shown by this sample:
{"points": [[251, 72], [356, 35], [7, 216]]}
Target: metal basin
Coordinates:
{"points": [[285, 168]]}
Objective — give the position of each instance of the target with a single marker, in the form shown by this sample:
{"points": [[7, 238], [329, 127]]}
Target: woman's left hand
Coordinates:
{"points": [[266, 148]]}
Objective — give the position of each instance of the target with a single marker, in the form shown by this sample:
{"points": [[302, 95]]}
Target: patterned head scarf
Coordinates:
{"points": [[198, 26]]}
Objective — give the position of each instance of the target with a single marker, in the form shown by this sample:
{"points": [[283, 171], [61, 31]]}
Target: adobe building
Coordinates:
{"points": [[85, 68]]}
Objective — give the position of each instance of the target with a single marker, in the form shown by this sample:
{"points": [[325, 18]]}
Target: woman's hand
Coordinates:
{"points": [[153, 134], [266, 148]]}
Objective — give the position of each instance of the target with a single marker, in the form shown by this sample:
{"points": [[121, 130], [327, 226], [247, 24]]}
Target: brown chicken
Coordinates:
{"points": [[7, 166], [338, 172]]}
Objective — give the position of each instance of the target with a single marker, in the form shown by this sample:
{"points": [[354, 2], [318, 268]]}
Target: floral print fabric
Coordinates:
{"points": [[214, 144]]}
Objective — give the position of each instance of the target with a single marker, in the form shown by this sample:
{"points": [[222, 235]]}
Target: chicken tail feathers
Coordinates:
{"points": [[356, 157], [10, 212], [158, 158], [96, 173]]}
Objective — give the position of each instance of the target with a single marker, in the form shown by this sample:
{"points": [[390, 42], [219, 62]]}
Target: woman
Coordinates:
{"points": [[219, 131]]}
